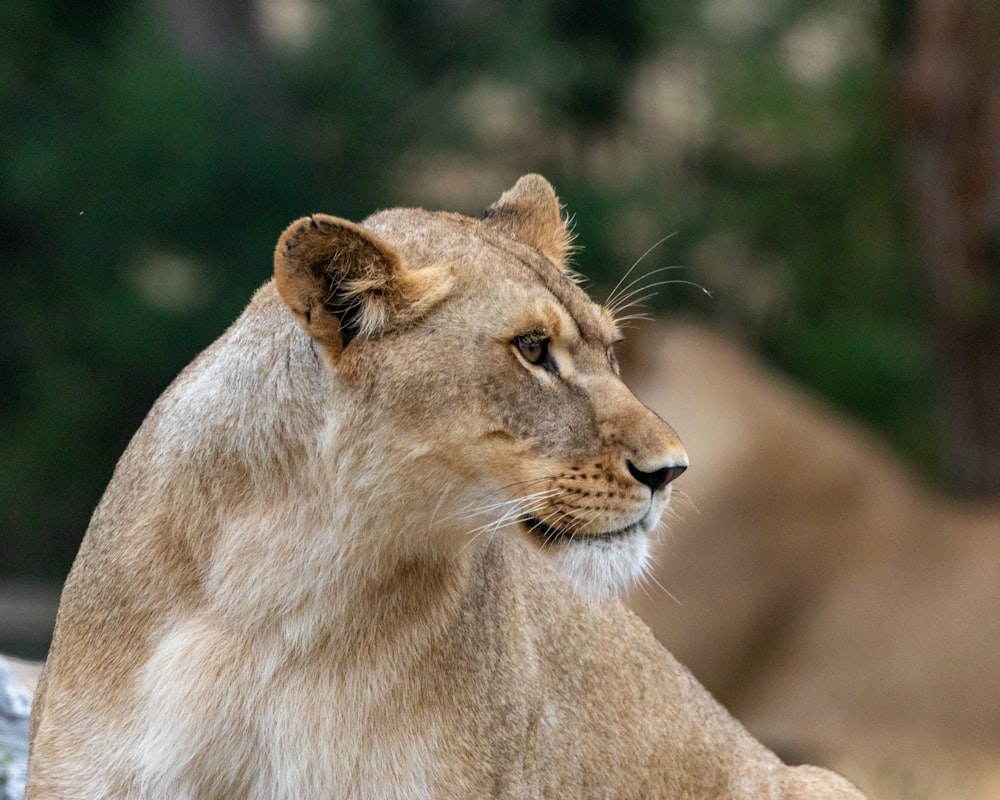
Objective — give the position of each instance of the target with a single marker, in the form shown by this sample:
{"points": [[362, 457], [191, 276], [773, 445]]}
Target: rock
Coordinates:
{"points": [[17, 685]]}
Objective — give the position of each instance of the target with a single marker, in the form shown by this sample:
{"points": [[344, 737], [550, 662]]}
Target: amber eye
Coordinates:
{"points": [[534, 348]]}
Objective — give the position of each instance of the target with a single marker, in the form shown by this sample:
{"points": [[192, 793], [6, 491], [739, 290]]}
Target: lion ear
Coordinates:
{"points": [[342, 281], [530, 212]]}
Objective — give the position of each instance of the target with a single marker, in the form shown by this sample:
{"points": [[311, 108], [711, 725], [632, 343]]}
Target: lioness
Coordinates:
{"points": [[366, 546]]}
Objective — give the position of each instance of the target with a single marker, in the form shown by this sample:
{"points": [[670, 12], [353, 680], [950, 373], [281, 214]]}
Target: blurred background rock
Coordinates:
{"points": [[828, 170]]}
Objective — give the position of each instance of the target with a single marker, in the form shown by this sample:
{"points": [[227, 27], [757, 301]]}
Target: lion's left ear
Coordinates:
{"points": [[530, 212], [342, 281]]}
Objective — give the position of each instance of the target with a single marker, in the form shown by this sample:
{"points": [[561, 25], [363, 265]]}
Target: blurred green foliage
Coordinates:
{"points": [[144, 180]]}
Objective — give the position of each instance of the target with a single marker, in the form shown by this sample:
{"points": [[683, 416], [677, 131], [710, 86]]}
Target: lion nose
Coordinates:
{"points": [[658, 478]]}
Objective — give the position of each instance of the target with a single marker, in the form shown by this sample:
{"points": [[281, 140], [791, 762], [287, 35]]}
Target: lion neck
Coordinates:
{"points": [[295, 550]]}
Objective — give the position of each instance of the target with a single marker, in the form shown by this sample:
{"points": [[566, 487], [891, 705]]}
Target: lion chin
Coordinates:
{"points": [[608, 562], [604, 564]]}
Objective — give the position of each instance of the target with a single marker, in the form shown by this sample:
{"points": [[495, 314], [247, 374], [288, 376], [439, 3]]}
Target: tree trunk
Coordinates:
{"points": [[951, 114]]}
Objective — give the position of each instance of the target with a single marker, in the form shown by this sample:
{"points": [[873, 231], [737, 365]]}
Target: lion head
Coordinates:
{"points": [[485, 378]]}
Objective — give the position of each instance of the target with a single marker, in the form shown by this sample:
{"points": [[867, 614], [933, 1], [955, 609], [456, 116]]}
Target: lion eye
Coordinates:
{"points": [[534, 349], [613, 360]]}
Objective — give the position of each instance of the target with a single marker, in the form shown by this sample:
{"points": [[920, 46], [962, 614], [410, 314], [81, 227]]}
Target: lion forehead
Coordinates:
{"points": [[493, 268]]}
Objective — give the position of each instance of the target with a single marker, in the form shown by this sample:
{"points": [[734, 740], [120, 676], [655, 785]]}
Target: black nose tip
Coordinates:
{"points": [[658, 478]]}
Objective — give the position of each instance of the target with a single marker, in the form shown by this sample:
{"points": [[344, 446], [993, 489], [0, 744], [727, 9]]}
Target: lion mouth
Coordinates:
{"points": [[546, 534]]}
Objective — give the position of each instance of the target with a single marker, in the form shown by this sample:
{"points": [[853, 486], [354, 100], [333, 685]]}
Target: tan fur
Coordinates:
{"points": [[363, 547]]}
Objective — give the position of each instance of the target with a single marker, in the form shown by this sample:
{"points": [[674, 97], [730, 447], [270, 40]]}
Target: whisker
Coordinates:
{"points": [[644, 316], [519, 509], [448, 489], [473, 512], [505, 489], [636, 303], [627, 301], [630, 320], [649, 575], [567, 524], [581, 518], [621, 293], [636, 264], [491, 528], [679, 497], [512, 514], [538, 524]]}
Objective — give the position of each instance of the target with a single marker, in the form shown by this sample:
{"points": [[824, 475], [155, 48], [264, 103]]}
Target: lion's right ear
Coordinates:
{"points": [[342, 281], [530, 211]]}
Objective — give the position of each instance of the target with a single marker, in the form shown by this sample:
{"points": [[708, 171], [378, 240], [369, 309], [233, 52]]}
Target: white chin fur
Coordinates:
{"points": [[603, 566]]}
